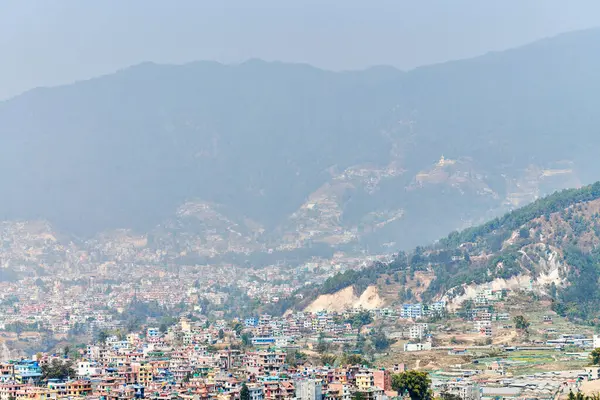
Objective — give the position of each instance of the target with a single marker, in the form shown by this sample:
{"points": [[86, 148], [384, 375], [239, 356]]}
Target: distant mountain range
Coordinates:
{"points": [[277, 156]]}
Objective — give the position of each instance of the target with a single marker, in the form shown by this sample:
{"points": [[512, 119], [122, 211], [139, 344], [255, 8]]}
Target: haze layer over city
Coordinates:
{"points": [[267, 200]]}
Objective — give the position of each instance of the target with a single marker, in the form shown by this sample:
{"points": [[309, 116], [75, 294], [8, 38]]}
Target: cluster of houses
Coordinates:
{"points": [[86, 296], [186, 362], [161, 366]]}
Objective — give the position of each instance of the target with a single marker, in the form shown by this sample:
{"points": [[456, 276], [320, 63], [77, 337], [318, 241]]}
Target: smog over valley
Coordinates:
{"points": [[269, 200]]}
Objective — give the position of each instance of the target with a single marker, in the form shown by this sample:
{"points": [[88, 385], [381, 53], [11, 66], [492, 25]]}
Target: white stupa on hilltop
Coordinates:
{"points": [[445, 162]]}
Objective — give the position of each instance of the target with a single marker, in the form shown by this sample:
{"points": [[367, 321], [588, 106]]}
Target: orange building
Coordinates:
{"points": [[382, 379]]}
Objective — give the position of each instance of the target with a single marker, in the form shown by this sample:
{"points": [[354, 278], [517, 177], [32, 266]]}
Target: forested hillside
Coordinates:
{"points": [[559, 233]]}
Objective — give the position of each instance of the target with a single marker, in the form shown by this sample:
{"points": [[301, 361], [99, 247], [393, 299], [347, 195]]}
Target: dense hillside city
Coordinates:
{"points": [[265, 230], [372, 329]]}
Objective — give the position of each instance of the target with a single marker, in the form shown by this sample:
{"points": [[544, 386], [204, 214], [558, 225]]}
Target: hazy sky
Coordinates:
{"points": [[50, 42]]}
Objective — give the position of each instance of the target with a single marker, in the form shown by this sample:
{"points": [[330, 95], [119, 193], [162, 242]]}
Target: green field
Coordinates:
{"points": [[526, 362]]}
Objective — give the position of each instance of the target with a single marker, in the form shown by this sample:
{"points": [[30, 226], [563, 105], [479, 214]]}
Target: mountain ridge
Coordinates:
{"points": [[260, 140]]}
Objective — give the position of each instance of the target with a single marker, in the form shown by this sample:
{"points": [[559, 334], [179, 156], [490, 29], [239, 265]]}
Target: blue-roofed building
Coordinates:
{"points": [[139, 391], [153, 333], [251, 322], [26, 371], [263, 341], [412, 311]]}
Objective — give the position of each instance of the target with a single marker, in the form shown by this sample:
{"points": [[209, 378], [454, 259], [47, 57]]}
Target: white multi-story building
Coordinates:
{"points": [[309, 389], [596, 341], [256, 392], [593, 373], [417, 331], [479, 325], [437, 306], [469, 391], [264, 320], [86, 368]]}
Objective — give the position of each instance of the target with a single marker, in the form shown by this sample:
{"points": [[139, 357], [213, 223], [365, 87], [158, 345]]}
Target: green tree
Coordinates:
{"points": [[328, 359], [449, 396], [417, 383], [368, 350], [552, 290], [380, 341], [401, 295], [402, 278], [322, 346], [244, 393], [595, 356], [362, 318], [102, 336], [524, 233], [58, 370], [354, 359], [246, 339], [593, 396], [221, 334], [581, 396], [521, 322], [163, 328], [238, 328], [295, 357], [358, 396], [360, 343], [66, 351]]}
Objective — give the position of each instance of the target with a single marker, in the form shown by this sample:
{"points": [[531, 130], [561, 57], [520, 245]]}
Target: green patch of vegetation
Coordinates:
{"points": [[509, 222], [580, 299]]}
